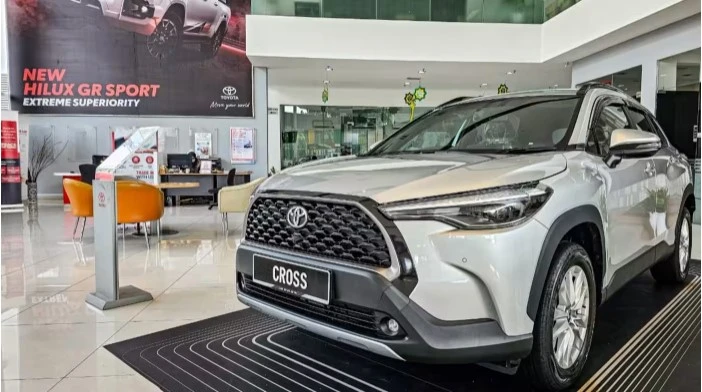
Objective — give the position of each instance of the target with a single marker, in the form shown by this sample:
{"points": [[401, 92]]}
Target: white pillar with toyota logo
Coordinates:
{"points": [[108, 294]]}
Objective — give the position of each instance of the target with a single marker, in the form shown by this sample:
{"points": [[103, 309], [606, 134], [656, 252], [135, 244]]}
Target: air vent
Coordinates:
{"points": [[5, 91]]}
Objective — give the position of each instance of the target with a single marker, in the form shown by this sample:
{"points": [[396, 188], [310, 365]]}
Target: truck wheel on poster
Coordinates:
{"points": [[211, 47], [166, 38]]}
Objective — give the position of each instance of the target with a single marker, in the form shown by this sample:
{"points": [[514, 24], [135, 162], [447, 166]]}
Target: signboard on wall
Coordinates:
{"points": [[203, 145], [243, 145], [67, 57]]}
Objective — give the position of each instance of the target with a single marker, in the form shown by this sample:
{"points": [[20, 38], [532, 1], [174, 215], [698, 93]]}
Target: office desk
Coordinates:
{"points": [[205, 182], [64, 175]]}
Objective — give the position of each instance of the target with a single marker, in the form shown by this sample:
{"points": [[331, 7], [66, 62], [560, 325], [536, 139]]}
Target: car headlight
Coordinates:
{"points": [[488, 208]]}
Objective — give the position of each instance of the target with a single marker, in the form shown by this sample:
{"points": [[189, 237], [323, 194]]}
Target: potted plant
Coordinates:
{"points": [[657, 205], [44, 152]]}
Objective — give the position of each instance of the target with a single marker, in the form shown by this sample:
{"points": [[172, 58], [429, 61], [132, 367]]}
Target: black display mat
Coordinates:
{"points": [[248, 351]]}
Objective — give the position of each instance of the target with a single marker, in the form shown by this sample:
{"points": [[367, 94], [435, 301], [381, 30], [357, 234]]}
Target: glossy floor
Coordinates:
{"points": [[52, 340]]}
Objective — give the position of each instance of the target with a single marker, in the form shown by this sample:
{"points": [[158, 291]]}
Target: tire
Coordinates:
{"points": [[211, 47], [165, 41], [674, 269], [543, 368]]}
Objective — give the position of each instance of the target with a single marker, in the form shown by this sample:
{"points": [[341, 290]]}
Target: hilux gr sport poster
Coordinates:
{"points": [[130, 57]]}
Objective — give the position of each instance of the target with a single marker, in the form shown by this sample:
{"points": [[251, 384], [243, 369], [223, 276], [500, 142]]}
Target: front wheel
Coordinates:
{"points": [[565, 321], [165, 40]]}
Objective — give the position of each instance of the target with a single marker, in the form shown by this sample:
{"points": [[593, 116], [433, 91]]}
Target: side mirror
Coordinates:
{"points": [[630, 143]]}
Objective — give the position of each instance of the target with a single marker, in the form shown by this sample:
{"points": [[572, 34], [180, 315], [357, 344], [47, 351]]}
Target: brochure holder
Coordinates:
{"points": [[108, 294]]}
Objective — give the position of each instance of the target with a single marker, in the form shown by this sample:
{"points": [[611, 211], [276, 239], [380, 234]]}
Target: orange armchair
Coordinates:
{"points": [[80, 195], [138, 202]]}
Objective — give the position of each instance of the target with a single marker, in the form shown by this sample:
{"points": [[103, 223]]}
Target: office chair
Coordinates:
{"points": [[87, 172], [214, 192]]}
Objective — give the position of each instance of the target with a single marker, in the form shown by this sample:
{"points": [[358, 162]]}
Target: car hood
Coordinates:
{"points": [[402, 177]]}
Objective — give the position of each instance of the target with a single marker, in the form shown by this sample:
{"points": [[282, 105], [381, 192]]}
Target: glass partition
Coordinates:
{"points": [[476, 11], [677, 109], [628, 80], [315, 132]]}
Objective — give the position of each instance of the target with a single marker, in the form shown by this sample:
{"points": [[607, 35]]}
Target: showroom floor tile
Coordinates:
{"points": [[52, 340]]}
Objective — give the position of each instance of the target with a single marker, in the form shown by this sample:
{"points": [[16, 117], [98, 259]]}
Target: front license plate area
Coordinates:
{"points": [[294, 279]]}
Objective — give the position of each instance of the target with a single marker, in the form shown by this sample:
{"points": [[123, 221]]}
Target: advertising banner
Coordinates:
{"points": [[242, 142], [130, 57], [10, 177], [142, 165]]}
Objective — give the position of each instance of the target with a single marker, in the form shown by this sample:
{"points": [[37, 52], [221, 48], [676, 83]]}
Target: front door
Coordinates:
{"points": [[626, 190]]}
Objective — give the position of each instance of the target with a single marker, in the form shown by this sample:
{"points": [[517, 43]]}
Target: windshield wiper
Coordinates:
{"points": [[525, 150]]}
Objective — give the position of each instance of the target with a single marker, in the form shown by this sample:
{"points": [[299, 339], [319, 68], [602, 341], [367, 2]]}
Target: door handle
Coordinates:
{"points": [[650, 170]]}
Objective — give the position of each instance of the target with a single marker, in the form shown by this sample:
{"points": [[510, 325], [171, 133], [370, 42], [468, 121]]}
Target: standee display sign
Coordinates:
{"points": [[10, 177], [68, 57]]}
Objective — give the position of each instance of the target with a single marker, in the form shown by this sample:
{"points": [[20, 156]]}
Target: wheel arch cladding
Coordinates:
{"points": [[689, 199], [178, 8], [584, 219]]}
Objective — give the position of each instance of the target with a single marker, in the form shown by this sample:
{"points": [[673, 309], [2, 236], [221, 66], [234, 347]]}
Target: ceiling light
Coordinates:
{"points": [[326, 82], [407, 84], [422, 71], [663, 75], [555, 86], [620, 85], [512, 72], [329, 68], [484, 85]]}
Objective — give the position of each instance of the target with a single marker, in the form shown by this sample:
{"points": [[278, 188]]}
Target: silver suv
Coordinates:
{"points": [[488, 230]]}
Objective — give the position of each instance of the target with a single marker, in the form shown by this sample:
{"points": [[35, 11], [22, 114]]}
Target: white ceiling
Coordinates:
{"points": [[439, 75]]}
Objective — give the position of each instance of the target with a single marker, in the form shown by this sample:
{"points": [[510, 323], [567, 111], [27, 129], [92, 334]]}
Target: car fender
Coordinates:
{"points": [[562, 225]]}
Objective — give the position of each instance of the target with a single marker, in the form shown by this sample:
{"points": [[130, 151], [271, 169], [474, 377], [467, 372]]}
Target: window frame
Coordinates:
{"points": [[600, 105]]}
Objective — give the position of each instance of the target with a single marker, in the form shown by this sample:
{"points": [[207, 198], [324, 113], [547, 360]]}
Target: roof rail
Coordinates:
{"points": [[457, 99], [585, 87]]}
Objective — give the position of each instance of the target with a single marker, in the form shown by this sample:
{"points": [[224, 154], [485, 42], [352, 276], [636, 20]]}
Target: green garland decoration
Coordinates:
{"points": [[325, 93], [413, 97]]}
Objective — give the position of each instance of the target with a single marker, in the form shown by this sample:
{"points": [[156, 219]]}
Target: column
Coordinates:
{"points": [[649, 84]]}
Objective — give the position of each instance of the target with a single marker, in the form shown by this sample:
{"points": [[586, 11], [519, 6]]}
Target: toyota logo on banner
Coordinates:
{"points": [[229, 94], [297, 217]]}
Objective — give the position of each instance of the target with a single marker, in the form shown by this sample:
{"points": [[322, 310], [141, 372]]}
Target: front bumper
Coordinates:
{"points": [[424, 338]]}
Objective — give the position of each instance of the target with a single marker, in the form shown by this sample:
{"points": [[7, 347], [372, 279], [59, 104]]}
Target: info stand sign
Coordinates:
{"points": [[107, 293]]}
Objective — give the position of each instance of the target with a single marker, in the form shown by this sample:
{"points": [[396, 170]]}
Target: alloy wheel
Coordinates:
{"points": [[163, 41], [684, 245], [570, 318]]}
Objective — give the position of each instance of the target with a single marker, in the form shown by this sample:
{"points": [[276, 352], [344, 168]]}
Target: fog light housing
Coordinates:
{"points": [[390, 327]]}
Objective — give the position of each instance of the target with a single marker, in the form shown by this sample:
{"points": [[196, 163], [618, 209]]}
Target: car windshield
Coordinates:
{"points": [[508, 125]]}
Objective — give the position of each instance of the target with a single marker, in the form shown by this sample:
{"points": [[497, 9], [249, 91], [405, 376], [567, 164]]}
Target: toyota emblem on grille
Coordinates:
{"points": [[297, 217]]}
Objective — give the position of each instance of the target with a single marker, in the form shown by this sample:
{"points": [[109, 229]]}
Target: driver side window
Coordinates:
{"points": [[612, 117]]}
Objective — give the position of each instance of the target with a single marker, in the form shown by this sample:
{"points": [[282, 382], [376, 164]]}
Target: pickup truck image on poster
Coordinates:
{"points": [[130, 57]]}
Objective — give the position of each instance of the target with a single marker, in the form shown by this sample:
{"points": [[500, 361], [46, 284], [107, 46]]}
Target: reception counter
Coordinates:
{"points": [[205, 181]]}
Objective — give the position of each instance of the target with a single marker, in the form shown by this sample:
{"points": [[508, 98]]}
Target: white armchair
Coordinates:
{"points": [[235, 198]]}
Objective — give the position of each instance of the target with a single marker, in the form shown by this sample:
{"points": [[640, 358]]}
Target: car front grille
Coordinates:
{"points": [[352, 318], [337, 231]]}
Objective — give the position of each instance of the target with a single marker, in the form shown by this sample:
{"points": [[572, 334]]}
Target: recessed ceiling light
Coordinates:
{"points": [[407, 83], [329, 68], [484, 85], [422, 71], [555, 86], [512, 72], [663, 75], [326, 82]]}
